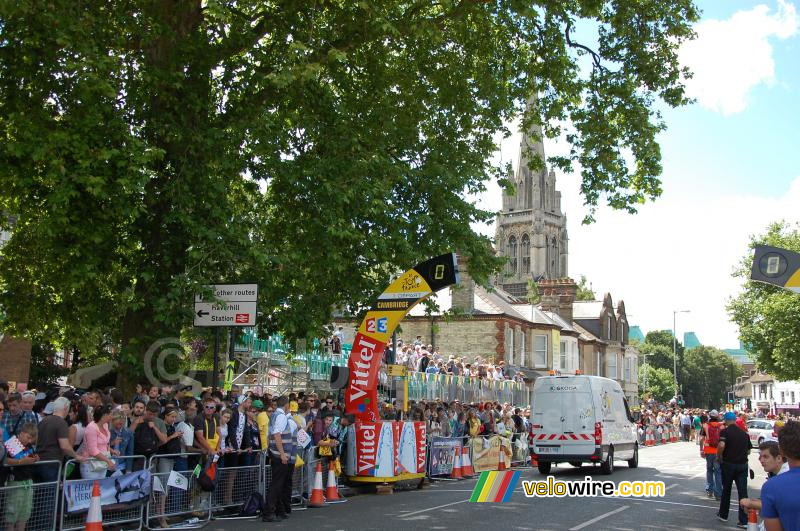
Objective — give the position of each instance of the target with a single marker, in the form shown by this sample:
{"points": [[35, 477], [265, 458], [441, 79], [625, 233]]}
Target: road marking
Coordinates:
{"points": [[680, 503], [598, 518], [673, 485], [432, 509]]}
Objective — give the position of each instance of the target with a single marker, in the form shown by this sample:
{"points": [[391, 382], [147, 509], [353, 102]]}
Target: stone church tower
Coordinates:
{"points": [[531, 229]]}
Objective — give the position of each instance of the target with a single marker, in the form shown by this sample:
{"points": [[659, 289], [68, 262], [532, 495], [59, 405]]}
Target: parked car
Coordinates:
{"points": [[760, 430]]}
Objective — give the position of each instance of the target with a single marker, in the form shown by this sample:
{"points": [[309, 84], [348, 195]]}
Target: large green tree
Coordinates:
{"points": [[707, 373], [655, 382], [768, 316], [316, 147]]}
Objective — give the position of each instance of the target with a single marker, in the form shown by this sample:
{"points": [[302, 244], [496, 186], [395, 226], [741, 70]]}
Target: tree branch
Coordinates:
{"points": [[595, 56]]}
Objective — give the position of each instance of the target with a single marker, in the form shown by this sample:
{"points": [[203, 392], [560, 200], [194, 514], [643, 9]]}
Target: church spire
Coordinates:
{"points": [[531, 229]]}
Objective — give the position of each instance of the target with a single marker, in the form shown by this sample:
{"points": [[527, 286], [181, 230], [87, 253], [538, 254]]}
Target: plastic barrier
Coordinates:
{"points": [[26, 500], [119, 513]]}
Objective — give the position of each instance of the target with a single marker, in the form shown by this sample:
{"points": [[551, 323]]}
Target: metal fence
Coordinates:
{"points": [[171, 502], [27, 502], [123, 513]]}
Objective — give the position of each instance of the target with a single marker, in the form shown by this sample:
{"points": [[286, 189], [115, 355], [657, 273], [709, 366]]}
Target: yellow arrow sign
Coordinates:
{"points": [[229, 370]]}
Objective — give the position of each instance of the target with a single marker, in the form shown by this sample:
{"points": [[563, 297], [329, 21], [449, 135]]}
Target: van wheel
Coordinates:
{"points": [[576, 464], [634, 461], [544, 468], [607, 466]]}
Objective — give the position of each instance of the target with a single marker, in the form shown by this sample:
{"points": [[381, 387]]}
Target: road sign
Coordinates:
{"points": [[776, 266], [397, 370], [229, 374], [225, 314], [229, 305]]}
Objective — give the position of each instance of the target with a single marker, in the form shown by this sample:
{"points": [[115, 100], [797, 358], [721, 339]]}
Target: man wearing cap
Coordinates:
{"points": [[709, 452], [732, 452]]}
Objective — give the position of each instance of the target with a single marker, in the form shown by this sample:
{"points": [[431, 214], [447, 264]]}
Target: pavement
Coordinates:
{"points": [[445, 505]]}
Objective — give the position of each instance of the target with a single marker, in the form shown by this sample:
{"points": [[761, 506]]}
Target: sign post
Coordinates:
{"points": [[229, 305]]}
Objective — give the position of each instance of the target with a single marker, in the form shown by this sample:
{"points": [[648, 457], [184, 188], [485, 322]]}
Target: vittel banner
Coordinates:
{"points": [[413, 286]]}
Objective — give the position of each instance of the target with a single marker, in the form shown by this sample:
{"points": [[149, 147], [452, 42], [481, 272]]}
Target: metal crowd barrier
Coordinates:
{"points": [[175, 502], [236, 484], [28, 504], [112, 515], [299, 500]]}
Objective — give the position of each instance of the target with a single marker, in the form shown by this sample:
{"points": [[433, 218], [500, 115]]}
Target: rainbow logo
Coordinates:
{"points": [[495, 487]]}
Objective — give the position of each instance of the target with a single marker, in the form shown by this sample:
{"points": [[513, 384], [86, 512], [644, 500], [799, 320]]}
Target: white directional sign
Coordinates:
{"points": [[230, 293], [230, 305]]}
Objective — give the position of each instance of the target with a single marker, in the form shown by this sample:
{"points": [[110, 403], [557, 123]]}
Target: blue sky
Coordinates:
{"points": [[731, 166]]}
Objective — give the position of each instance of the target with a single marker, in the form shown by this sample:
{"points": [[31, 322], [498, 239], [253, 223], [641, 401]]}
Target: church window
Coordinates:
{"points": [[512, 254], [526, 254]]}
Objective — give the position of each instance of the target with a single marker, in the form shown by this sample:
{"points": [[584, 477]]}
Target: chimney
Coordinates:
{"points": [[558, 296], [463, 295]]}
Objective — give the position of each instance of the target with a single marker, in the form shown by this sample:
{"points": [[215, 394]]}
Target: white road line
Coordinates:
{"points": [[673, 485], [680, 503], [598, 518], [431, 509]]}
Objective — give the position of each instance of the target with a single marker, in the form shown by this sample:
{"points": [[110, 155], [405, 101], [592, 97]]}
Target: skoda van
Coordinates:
{"points": [[582, 419]]}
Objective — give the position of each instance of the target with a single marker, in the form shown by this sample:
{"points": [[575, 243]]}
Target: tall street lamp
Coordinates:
{"points": [[674, 350]]}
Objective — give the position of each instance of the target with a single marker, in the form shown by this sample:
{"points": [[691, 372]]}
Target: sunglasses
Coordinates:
{"points": [[211, 407], [329, 402]]}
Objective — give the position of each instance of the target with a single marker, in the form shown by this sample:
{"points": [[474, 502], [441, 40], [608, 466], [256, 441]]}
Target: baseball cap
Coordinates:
{"points": [[729, 416], [713, 413], [258, 404]]}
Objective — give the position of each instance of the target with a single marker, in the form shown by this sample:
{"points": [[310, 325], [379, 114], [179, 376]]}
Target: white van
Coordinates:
{"points": [[582, 419]]}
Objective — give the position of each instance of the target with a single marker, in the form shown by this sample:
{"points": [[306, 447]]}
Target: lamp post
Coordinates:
{"points": [[674, 350]]}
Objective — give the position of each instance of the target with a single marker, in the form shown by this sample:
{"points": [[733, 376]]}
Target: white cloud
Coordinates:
{"points": [[677, 253], [730, 57]]}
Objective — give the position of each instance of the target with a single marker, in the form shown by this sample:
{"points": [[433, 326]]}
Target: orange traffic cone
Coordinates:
{"points": [[456, 473], [332, 491], [502, 464], [94, 519], [317, 499], [466, 464], [534, 460]]}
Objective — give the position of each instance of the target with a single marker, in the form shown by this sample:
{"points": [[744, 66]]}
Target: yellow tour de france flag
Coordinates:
{"points": [[495, 486]]}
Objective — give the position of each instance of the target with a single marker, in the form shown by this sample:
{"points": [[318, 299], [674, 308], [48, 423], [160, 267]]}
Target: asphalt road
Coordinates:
{"points": [[444, 505]]}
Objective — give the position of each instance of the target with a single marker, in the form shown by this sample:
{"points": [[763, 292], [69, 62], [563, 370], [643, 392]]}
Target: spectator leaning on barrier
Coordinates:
{"points": [[121, 439], [732, 452], [20, 455], [780, 509], [95, 446]]}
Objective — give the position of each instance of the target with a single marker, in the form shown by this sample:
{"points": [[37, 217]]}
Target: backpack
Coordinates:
{"points": [[208, 478], [145, 441], [252, 505], [712, 434]]}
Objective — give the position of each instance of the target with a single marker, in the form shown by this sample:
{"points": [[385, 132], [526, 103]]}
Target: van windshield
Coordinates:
{"points": [[559, 412]]}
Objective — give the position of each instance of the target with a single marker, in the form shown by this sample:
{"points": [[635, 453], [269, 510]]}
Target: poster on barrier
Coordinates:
{"points": [[443, 453], [129, 489], [488, 451]]}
